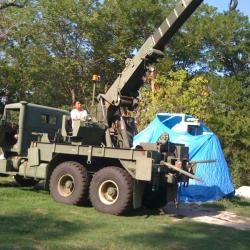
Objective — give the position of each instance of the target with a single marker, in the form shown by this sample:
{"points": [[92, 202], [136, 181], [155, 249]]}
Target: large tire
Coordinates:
{"points": [[25, 182], [111, 191], [154, 199], [69, 183]]}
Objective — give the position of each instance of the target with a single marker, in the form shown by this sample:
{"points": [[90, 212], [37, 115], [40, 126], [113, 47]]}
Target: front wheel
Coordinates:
{"points": [[69, 183], [111, 190]]}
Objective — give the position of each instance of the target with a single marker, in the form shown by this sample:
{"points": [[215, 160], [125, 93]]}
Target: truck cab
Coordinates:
{"points": [[25, 122]]}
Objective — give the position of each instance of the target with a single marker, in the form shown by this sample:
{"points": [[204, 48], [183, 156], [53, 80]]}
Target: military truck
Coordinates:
{"points": [[94, 159], [37, 144]]}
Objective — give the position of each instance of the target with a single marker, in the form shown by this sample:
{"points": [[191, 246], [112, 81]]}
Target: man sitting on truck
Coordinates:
{"points": [[78, 114]]}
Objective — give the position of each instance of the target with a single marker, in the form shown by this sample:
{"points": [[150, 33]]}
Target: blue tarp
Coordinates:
{"points": [[204, 145]]}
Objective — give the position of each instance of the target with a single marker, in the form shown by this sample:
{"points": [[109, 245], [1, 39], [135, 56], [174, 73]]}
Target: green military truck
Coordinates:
{"points": [[94, 160], [36, 144]]}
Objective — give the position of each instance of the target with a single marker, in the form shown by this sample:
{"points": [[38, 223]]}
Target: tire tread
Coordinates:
{"points": [[81, 171], [127, 182]]}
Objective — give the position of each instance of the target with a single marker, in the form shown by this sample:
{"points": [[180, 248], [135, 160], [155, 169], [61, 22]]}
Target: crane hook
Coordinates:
{"points": [[233, 4]]}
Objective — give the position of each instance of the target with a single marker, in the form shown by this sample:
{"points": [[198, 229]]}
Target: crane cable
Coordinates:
{"points": [[233, 4]]}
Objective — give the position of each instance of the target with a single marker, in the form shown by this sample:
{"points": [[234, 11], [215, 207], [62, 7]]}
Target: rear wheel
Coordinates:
{"points": [[111, 190], [25, 182], [69, 183]]}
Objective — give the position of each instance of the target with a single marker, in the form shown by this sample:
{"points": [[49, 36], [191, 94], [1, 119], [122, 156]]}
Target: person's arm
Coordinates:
{"points": [[84, 115]]}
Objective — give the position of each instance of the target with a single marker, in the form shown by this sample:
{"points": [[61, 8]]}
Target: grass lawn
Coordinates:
{"points": [[234, 204], [30, 219]]}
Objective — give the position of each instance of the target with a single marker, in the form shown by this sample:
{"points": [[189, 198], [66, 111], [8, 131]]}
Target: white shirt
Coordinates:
{"points": [[78, 115]]}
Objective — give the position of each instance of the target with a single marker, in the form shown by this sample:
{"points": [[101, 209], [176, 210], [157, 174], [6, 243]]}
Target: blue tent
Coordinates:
{"points": [[203, 145]]}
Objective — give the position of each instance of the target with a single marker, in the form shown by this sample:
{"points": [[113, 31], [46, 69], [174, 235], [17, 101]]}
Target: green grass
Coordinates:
{"points": [[234, 204], [30, 219]]}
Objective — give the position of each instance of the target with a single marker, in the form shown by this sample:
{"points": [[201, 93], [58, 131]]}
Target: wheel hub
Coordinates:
{"points": [[108, 192], [66, 185], [111, 191], [69, 184]]}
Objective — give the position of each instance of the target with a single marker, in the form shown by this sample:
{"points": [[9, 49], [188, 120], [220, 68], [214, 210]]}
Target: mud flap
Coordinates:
{"points": [[138, 193]]}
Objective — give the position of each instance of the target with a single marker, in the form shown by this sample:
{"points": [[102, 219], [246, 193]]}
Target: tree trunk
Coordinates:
{"points": [[73, 95]]}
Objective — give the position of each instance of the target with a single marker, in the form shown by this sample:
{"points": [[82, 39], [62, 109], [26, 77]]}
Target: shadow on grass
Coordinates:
{"points": [[34, 231], [8, 184], [183, 211], [143, 212], [187, 235], [13, 183], [189, 210], [38, 188]]}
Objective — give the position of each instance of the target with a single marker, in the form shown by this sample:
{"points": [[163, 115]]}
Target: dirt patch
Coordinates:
{"points": [[208, 215]]}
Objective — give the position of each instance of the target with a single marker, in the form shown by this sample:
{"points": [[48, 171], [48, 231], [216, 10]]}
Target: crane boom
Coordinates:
{"points": [[130, 80]]}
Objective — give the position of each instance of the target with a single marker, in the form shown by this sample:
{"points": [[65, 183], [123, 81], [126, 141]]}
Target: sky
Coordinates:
{"points": [[243, 5]]}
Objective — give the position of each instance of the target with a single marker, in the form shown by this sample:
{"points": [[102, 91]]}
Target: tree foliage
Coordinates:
{"points": [[175, 92]]}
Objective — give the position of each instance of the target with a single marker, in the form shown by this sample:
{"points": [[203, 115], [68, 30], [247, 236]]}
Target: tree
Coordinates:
{"points": [[176, 92], [230, 119], [62, 43], [50, 47]]}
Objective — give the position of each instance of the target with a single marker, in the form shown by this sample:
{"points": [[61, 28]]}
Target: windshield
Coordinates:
{"points": [[12, 116]]}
